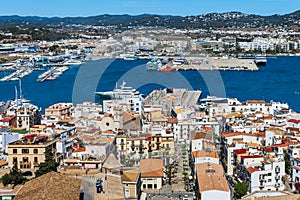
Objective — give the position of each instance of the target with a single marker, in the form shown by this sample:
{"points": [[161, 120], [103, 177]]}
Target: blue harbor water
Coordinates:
{"points": [[278, 81]]}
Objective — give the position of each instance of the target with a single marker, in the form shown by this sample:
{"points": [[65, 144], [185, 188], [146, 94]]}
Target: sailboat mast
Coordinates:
{"points": [[20, 85], [16, 93]]}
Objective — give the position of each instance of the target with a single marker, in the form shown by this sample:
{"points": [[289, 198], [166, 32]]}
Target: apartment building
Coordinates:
{"points": [[29, 151]]}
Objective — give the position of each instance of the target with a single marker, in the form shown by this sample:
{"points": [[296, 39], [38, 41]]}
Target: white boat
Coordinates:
{"points": [[130, 57], [260, 60], [73, 62]]}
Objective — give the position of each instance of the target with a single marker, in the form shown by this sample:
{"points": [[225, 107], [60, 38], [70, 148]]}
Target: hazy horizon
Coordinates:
{"points": [[76, 8]]}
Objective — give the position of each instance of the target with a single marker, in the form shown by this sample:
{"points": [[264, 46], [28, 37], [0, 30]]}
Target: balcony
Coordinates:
{"points": [[277, 177], [25, 165]]}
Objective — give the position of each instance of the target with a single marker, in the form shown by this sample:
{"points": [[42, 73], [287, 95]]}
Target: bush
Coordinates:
{"points": [[14, 177], [6, 179], [240, 189]]}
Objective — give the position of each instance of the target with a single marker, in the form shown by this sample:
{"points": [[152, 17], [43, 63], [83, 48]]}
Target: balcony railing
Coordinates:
{"points": [[25, 165]]}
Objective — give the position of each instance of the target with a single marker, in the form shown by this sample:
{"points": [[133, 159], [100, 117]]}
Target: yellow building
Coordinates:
{"points": [[38, 128], [57, 112], [29, 151]]}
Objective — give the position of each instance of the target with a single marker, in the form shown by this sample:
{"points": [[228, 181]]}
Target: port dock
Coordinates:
{"points": [[216, 63], [209, 63]]}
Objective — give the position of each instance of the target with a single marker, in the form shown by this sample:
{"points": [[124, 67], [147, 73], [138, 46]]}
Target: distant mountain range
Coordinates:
{"points": [[211, 20]]}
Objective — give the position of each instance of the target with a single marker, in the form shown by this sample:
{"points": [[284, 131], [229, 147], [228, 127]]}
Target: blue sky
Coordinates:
{"points": [[63, 8]]}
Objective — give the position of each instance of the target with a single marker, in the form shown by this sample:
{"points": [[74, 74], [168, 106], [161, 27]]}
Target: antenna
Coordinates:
{"points": [[123, 84]]}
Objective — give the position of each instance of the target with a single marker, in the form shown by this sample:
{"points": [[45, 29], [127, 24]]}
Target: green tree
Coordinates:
{"points": [[49, 165], [287, 163], [171, 170], [240, 189], [14, 177]]}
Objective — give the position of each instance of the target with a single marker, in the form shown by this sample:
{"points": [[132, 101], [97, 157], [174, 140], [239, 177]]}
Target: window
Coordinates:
{"points": [[155, 186], [270, 180], [149, 186], [25, 159], [25, 151], [36, 159], [15, 150], [144, 186], [107, 124], [269, 174], [15, 160], [35, 151]]}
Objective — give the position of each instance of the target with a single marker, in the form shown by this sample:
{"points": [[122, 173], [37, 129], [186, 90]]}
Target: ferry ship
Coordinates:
{"points": [[121, 92], [124, 94], [260, 60]]}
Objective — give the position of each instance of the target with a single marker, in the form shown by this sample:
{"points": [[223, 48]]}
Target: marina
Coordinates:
{"points": [[52, 74], [245, 85], [17, 75]]}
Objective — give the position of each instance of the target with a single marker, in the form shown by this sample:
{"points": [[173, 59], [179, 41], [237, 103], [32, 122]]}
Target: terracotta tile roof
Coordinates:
{"points": [[292, 128], [251, 156], [295, 121], [66, 120], [151, 168], [81, 149], [252, 169], [50, 186], [7, 119], [2, 163], [232, 134], [211, 177], [127, 117], [269, 149], [239, 151], [202, 153], [256, 102], [197, 135], [173, 120], [130, 175]]}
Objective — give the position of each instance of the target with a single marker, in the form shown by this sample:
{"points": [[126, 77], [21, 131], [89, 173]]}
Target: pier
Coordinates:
{"points": [[17, 75], [214, 63], [208, 63], [52, 74]]}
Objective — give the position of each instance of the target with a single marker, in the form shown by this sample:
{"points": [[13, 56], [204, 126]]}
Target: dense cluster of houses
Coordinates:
{"points": [[226, 141]]}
